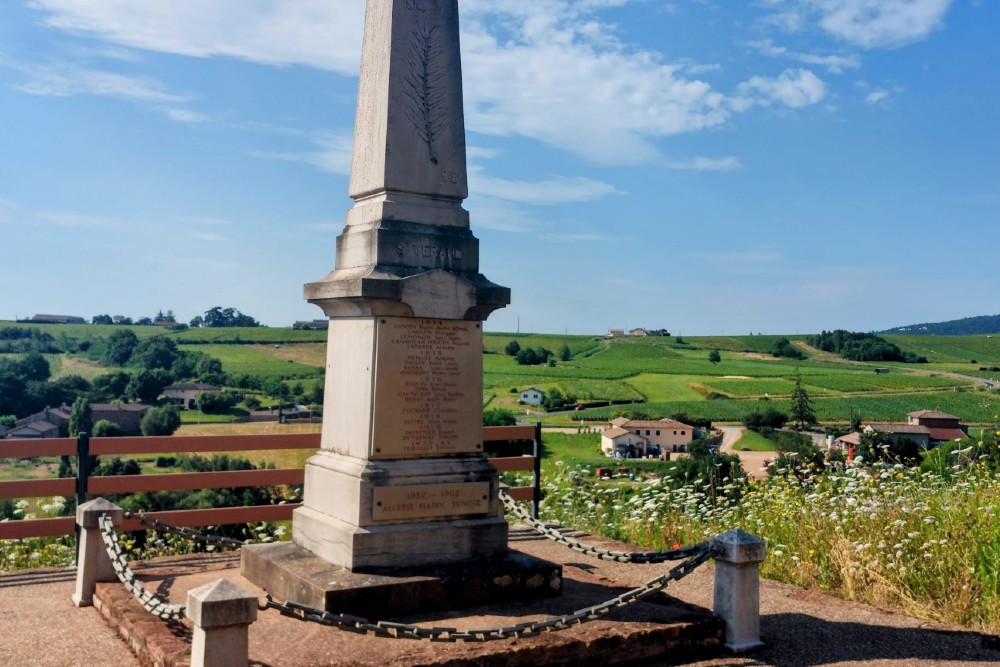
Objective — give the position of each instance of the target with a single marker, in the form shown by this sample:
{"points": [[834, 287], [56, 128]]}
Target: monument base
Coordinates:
{"points": [[291, 573]]}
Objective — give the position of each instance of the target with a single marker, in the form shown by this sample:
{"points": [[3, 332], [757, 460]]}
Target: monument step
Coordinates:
{"points": [[293, 574]]}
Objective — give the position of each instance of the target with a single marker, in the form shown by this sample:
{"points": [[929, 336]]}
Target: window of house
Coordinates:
{"points": [[657, 433], [647, 431]]}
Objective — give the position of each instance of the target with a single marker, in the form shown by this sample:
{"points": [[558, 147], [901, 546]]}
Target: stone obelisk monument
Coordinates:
{"points": [[401, 479]]}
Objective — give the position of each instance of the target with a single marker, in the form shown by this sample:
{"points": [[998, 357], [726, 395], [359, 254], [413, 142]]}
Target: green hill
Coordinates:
{"points": [[967, 326]]}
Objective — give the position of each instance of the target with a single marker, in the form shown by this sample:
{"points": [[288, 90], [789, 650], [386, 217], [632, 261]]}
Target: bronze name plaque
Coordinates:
{"points": [[428, 388], [430, 501]]}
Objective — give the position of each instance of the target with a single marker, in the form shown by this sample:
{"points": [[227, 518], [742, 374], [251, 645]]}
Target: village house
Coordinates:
{"points": [[54, 422], [641, 333], [49, 423], [615, 333], [186, 393], [942, 426], [630, 438], [128, 416], [58, 319], [902, 432], [532, 396], [926, 428]]}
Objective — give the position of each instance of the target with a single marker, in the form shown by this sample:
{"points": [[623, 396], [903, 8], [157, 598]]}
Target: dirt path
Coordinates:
{"points": [[753, 462]]}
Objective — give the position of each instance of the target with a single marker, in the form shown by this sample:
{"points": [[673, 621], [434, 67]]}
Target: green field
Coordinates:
{"points": [[655, 375]]}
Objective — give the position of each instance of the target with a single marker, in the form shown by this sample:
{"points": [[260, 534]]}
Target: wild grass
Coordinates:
{"points": [[919, 542], [755, 442]]}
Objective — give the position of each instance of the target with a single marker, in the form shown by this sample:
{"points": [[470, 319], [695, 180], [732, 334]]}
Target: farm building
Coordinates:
{"points": [[58, 319], [532, 396], [942, 426]]}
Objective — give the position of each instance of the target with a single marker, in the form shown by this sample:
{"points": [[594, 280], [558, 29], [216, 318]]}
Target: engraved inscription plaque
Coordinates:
{"points": [[428, 388], [430, 501]]}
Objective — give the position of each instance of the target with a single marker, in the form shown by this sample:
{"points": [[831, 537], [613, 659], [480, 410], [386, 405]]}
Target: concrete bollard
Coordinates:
{"points": [[737, 587], [222, 613], [93, 563]]}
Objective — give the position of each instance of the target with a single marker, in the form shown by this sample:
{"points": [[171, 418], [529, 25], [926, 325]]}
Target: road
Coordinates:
{"points": [[753, 462]]}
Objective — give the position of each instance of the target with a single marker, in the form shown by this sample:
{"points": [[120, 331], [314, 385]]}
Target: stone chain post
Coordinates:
{"points": [[222, 613], [93, 563], [738, 556]]}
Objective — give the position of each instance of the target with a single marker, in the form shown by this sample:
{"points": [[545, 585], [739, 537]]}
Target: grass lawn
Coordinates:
{"points": [[755, 442]]}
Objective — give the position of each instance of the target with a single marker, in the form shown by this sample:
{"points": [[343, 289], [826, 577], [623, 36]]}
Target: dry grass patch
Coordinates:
{"points": [[310, 354], [281, 458]]}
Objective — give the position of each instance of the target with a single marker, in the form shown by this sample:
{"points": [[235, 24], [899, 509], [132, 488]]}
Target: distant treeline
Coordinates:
{"points": [[968, 326], [862, 347]]}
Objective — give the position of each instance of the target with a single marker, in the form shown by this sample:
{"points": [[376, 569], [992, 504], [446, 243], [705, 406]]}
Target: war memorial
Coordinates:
{"points": [[403, 515]]}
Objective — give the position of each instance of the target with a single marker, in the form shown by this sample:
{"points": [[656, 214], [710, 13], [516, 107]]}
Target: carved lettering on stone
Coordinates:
{"points": [[430, 501], [428, 380]]}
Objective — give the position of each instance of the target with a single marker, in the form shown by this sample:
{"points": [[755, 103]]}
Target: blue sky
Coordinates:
{"points": [[774, 166]]}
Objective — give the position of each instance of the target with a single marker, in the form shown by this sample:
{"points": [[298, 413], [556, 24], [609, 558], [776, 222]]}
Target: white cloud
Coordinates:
{"points": [[835, 64], [876, 96], [555, 190], [75, 220], [730, 163], [793, 88], [208, 236], [333, 154], [319, 33], [63, 79], [547, 70], [869, 24]]}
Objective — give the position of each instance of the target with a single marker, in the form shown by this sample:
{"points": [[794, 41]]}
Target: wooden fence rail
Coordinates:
{"points": [[85, 484]]}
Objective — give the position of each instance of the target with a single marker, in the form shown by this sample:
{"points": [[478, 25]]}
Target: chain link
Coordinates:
{"points": [[553, 624], [639, 558], [149, 601], [696, 555]]}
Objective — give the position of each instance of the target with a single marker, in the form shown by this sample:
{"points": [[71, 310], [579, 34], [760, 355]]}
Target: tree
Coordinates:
{"points": [[144, 322], [102, 319], [121, 344], [121, 319], [499, 417], [512, 348], [107, 429], [197, 321], [564, 353], [783, 348], [755, 420], [110, 386], [802, 412], [34, 367], [81, 419], [714, 356], [8, 420], [160, 421], [156, 352], [146, 386]]}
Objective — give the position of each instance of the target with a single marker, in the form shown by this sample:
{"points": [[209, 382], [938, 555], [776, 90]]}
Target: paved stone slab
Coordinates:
{"points": [[643, 631], [291, 573]]}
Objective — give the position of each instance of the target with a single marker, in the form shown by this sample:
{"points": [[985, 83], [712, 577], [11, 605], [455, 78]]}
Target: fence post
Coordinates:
{"points": [[222, 613], [82, 467], [93, 562], [536, 481], [738, 556]]}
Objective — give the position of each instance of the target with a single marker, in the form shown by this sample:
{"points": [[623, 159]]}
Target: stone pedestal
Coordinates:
{"points": [[737, 587], [93, 562]]}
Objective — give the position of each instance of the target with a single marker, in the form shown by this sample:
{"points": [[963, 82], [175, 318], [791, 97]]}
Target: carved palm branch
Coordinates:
{"points": [[426, 87]]}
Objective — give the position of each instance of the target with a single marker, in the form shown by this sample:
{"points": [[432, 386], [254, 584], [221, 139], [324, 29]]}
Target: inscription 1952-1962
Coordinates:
{"points": [[416, 5]]}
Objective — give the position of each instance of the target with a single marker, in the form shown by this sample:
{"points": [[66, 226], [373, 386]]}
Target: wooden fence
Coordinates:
{"points": [[86, 486]]}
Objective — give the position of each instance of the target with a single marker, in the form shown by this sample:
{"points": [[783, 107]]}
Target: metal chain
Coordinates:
{"points": [[193, 535], [152, 604], [530, 629], [639, 558]]}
